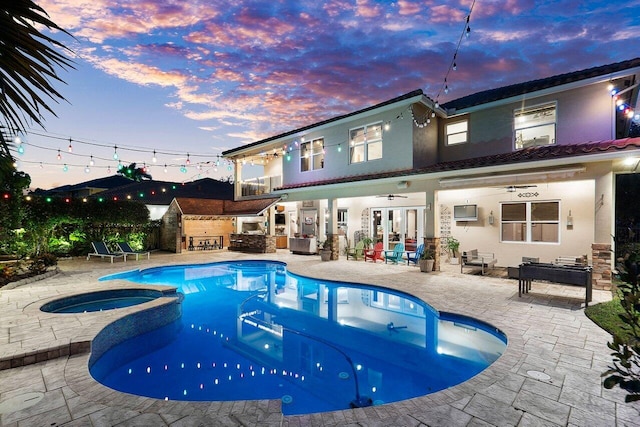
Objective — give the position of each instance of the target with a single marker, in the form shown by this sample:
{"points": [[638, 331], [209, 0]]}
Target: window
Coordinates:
{"points": [[535, 126], [457, 132], [365, 143], [312, 155], [530, 222]]}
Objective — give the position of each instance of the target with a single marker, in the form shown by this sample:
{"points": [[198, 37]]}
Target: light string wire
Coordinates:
{"points": [[466, 31]]}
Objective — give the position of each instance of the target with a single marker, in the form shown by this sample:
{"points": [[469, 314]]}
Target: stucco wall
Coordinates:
{"points": [[397, 149], [577, 197], [583, 115]]}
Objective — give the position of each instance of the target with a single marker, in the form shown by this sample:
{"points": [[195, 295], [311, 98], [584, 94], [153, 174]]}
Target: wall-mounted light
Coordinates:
{"points": [[491, 218], [569, 220]]}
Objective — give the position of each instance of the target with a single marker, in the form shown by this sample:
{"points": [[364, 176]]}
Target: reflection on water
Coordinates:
{"points": [[251, 330]]}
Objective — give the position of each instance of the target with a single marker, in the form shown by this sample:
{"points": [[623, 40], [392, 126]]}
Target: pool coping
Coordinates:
{"points": [[41, 351]]}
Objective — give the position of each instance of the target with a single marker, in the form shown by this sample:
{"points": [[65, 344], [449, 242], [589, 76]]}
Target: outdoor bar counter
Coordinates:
{"points": [[246, 242]]}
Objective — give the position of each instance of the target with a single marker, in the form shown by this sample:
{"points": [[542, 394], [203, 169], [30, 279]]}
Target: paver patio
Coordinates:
{"points": [[45, 380]]}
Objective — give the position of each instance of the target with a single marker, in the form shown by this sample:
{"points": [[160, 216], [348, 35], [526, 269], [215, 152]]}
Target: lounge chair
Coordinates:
{"points": [[375, 253], [357, 252], [101, 250], [126, 250], [395, 256], [414, 256]]}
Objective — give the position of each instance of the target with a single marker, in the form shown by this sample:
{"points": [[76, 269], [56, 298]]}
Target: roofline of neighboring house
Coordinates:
{"points": [[527, 158], [407, 98]]}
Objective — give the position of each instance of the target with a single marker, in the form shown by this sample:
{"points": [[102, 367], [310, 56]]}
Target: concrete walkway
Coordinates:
{"points": [[550, 374]]}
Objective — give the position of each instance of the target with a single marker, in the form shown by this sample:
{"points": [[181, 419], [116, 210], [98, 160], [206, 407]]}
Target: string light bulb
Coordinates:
{"points": [[188, 160], [65, 168], [91, 162], [115, 152], [59, 156], [154, 158], [70, 148]]}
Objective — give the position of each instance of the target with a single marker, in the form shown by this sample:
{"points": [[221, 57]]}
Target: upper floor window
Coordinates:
{"points": [[457, 133], [535, 126], [312, 155], [530, 222], [365, 143]]}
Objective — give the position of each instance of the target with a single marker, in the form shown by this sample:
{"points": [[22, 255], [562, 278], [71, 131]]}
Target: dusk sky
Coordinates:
{"points": [[201, 77]]}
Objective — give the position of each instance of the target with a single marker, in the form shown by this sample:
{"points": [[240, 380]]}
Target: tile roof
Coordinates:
{"points": [[203, 207], [535, 85], [406, 96], [525, 155]]}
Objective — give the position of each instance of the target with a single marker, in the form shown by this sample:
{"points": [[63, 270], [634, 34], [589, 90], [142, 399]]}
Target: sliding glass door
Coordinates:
{"points": [[397, 225]]}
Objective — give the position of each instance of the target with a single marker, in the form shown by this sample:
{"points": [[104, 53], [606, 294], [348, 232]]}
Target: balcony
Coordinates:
{"points": [[260, 186]]}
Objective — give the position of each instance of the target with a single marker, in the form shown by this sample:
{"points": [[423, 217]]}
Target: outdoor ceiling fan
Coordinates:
{"points": [[513, 188], [393, 196]]}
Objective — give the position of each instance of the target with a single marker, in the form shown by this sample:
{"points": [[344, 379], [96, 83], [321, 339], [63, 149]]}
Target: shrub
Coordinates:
{"points": [[40, 263], [625, 371]]}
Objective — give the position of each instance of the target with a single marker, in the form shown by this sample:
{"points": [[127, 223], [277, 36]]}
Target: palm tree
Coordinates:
{"points": [[28, 62]]}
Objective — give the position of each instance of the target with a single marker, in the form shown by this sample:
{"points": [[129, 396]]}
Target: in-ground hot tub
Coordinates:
{"points": [[103, 300]]}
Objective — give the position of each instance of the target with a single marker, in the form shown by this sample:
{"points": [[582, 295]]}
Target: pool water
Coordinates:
{"points": [[252, 330]]}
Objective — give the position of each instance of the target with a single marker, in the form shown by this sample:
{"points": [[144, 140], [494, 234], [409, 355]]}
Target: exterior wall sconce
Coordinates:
{"points": [[569, 220], [491, 218]]}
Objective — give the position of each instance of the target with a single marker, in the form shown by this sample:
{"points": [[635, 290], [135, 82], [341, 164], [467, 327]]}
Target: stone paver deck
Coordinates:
{"points": [[44, 377]]}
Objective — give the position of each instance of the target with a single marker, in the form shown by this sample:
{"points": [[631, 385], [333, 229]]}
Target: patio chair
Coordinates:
{"points": [[395, 256], [375, 253], [127, 250], [101, 250], [414, 256], [357, 251]]}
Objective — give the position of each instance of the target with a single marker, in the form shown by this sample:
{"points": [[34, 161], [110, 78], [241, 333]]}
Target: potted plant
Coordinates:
{"points": [[426, 261], [325, 250], [453, 245], [367, 242]]}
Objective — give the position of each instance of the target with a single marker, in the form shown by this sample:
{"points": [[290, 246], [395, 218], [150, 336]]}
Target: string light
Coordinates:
{"points": [[188, 160], [453, 65], [115, 152], [154, 159], [70, 148], [91, 162], [59, 156]]}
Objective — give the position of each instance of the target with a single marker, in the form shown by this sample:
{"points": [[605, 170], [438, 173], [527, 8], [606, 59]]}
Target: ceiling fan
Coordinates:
{"points": [[393, 196], [513, 188]]}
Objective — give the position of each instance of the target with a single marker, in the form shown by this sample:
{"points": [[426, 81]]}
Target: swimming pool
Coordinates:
{"points": [[252, 330]]}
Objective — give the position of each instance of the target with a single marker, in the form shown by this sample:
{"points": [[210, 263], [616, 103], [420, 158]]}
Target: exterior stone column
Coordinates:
{"points": [[601, 273], [434, 244], [335, 246]]}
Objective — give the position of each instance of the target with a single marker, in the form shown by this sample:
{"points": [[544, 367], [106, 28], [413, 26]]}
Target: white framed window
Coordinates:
{"points": [[530, 222], [312, 155], [457, 132], [365, 143], [535, 126]]}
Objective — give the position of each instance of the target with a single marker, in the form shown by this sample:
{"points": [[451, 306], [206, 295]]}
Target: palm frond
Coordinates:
{"points": [[28, 63]]}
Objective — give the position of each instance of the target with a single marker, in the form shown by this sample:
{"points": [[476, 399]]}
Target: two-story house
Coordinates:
{"points": [[522, 170]]}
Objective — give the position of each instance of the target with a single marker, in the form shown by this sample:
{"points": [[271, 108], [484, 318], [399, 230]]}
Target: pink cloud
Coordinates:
{"points": [[365, 9], [408, 8]]}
